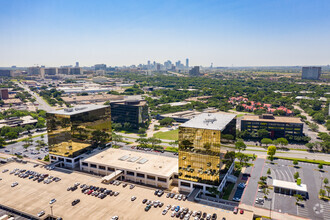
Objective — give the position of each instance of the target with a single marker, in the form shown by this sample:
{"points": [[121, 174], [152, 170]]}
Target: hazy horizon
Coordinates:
{"points": [[225, 33]]}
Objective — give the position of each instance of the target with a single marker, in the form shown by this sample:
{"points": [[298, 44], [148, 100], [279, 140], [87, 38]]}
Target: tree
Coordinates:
{"points": [[271, 151], [262, 133], [143, 142], [27, 143], [320, 166], [241, 157], [325, 181], [11, 135], [142, 131], [116, 126], [298, 198], [319, 117], [116, 138], [240, 145], [166, 121], [268, 171], [2, 142], [127, 125], [322, 192], [154, 141], [282, 141], [229, 158], [295, 162], [310, 146], [296, 175], [314, 127], [266, 141], [265, 191]]}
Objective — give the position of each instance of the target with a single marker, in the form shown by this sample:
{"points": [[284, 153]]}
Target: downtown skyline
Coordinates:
{"points": [[225, 33]]}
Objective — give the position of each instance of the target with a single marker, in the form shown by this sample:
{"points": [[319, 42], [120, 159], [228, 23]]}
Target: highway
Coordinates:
{"points": [[43, 105]]}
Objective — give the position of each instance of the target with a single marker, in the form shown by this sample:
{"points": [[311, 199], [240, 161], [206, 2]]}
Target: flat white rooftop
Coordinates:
{"points": [[135, 161], [289, 185], [211, 121], [78, 109]]}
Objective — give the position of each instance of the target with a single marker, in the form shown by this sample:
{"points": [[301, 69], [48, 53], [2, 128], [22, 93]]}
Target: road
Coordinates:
{"points": [[309, 118], [43, 105]]}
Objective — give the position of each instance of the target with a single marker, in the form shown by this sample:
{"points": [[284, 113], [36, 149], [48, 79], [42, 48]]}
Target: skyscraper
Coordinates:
{"points": [[187, 63], [77, 64], [200, 158]]}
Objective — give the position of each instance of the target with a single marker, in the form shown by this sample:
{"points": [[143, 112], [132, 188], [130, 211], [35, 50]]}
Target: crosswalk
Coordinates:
{"points": [[302, 211], [326, 211]]}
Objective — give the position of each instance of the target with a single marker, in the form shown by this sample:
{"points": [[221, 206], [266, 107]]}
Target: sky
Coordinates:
{"points": [[124, 32]]}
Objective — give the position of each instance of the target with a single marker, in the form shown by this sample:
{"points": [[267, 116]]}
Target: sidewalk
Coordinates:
{"points": [[272, 214]]}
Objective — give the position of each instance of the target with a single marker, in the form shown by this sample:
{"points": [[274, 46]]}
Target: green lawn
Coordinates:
{"points": [[304, 160], [167, 135], [228, 190]]}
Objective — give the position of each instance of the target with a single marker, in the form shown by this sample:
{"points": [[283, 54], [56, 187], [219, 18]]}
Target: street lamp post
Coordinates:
{"points": [[51, 210]]}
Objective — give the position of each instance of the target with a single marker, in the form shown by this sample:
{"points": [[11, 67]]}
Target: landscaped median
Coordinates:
{"points": [[304, 160]]}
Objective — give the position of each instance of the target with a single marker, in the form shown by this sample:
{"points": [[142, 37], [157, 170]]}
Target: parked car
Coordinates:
{"points": [[235, 210], [241, 211], [133, 198], [75, 202], [147, 208], [131, 186], [41, 213], [52, 201], [144, 201]]}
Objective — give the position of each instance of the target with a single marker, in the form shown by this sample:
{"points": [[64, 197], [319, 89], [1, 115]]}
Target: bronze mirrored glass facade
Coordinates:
{"points": [[73, 133], [199, 155]]}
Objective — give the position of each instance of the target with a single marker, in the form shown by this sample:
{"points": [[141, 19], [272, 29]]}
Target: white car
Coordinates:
{"points": [[41, 213], [173, 214], [115, 218], [52, 201], [14, 184]]}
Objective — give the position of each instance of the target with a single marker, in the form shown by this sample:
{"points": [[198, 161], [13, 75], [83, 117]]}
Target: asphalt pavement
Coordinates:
{"points": [[31, 152], [249, 194]]}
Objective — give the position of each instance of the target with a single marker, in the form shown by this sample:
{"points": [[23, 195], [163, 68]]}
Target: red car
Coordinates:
{"points": [[241, 211], [90, 192]]}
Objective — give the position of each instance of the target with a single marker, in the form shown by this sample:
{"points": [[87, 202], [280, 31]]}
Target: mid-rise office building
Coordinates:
{"points": [[194, 71], [4, 93], [311, 72], [100, 67], [74, 131], [36, 71], [51, 71], [278, 126], [5, 73], [134, 112], [200, 155], [76, 71], [64, 70]]}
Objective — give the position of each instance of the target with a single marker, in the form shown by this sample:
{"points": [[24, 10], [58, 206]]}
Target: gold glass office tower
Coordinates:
{"points": [[73, 131], [199, 148]]}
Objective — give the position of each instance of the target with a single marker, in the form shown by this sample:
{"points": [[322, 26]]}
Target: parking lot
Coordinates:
{"points": [[31, 152], [312, 208], [32, 197]]}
